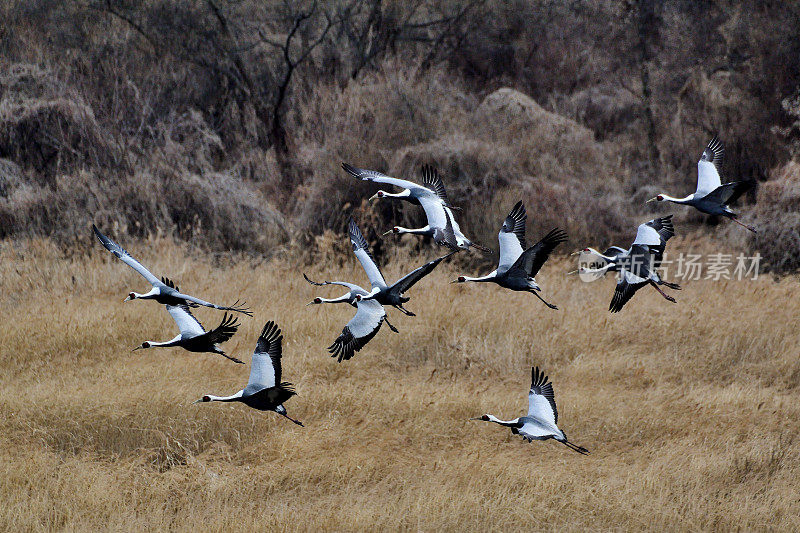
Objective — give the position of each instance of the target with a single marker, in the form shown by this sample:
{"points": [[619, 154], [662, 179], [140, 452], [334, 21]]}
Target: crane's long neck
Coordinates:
{"points": [[684, 200], [405, 194], [508, 423], [341, 299], [231, 398], [606, 258], [419, 231], [488, 277], [602, 270], [173, 342]]}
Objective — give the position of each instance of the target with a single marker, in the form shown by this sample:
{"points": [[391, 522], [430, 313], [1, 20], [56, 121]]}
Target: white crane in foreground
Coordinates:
{"points": [[264, 391], [164, 291], [540, 422]]}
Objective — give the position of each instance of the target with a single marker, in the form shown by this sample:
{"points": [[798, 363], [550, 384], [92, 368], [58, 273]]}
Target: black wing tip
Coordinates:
{"points": [[270, 333], [518, 211], [350, 169], [538, 377], [556, 236]]}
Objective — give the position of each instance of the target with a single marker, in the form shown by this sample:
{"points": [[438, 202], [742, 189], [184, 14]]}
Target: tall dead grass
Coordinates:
{"points": [[691, 421]]}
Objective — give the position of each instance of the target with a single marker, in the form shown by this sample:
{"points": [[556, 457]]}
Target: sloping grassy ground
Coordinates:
{"points": [[690, 410]]}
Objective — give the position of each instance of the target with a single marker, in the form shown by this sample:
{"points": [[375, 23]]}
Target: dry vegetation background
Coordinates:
{"points": [[206, 136], [692, 425]]}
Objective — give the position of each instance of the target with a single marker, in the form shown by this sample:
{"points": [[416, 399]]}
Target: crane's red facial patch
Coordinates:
{"points": [[485, 418], [206, 399], [317, 300], [660, 198], [131, 296], [380, 194], [395, 230], [461, 279]]}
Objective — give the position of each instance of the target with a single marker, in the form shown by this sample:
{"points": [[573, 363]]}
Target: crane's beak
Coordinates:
{"points": [[573, 272], [387, 233], [454, 281], [653, 199], [126, 299], [197, 401], [576, 253], [476, 418], [374, 197], [310, 303], [137, 348]]}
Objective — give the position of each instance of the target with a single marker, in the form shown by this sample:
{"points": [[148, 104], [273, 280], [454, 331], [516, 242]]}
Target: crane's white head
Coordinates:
{"points": [[377, 195], [131, 296], [659, 198], [459, 279], [315, 301], [395, 230], [143, 346], [485, 418], [205, 398]]}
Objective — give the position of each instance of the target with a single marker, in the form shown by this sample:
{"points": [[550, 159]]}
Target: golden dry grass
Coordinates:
{"points": [[691, 422]]}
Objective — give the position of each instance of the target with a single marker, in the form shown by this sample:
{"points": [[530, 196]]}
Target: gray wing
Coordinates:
{"points": [[188, 325], [361, 251], [655, 232], [265, 370], [709, 168], [351, 286], [541, 399], [512, 237], [125, 257], [378, 177], [359, 331]]}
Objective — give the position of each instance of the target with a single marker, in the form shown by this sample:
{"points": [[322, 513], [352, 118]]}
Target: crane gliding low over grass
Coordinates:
{"points": [[193, 337], [540, 422], [381, 292], [164, 291], [362, 327], [518, 265], [264, 391]]}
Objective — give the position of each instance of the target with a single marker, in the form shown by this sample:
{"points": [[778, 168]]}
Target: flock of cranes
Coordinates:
{"points": [[517, 267]]}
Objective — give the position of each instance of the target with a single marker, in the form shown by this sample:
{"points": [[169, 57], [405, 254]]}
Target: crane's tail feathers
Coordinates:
{"points": [[669, 285], [580, 449], [551, 306]]}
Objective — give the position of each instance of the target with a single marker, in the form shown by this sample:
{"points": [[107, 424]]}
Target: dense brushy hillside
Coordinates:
{"points": [[224, 122]]}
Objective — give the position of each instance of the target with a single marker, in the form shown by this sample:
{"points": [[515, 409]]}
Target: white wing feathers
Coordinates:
{"points": [[125, 257], [708, 177], [265, 370], [187, 323], [541, 400]]}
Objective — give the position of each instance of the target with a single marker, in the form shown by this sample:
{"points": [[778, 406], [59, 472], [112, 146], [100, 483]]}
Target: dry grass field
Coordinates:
{"points": [[690, 411]]}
